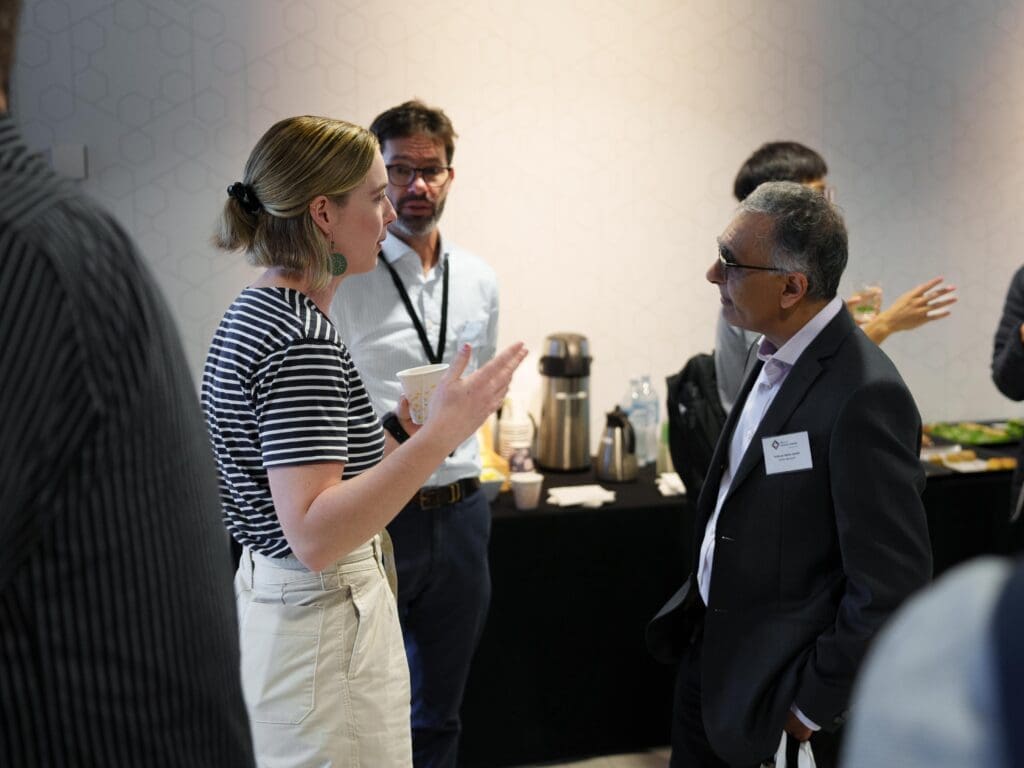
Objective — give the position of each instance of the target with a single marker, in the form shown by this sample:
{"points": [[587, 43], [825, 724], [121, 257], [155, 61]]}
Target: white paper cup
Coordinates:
{"points": [[419, 384], [526, 489]]}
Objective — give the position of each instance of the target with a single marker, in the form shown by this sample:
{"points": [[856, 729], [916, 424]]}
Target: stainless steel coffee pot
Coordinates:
{"points": [[563, 436], [616, 455]]}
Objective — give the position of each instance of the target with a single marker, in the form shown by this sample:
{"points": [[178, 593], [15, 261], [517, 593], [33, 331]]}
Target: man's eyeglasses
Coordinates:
{"points": [[404, 175], [727, 265]]}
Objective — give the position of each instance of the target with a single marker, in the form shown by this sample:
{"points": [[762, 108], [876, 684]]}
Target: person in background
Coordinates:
{"points": [[308, 477], [791, 161], [1008, 372], [810, 528], [941, 686], [118, 638], [425, 297]]}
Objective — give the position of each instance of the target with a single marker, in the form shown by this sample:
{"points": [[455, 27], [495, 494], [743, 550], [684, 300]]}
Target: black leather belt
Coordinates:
{"points": [[439, 496]]}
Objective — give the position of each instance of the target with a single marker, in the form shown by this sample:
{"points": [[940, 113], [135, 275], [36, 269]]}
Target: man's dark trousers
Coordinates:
{"points": [[444, 590]]}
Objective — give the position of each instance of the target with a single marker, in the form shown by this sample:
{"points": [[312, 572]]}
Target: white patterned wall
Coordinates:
{"points": [[599, 140]]}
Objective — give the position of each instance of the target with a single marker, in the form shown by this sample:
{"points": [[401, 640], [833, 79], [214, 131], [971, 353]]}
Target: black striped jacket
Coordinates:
{"points": [[118, 638]]}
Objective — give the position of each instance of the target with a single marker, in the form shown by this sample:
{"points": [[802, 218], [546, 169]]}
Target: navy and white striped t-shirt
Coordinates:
{"points": [[280, 389]]}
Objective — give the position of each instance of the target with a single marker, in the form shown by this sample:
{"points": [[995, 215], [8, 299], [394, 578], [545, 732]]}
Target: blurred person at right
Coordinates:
{"points": [[941, 686], [309, 478]]}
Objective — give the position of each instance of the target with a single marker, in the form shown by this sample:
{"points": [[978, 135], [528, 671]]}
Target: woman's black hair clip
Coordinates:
{"points": [[246, 197]]}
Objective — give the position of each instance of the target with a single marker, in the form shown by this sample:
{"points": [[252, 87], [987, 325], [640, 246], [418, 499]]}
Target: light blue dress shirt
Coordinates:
{"points": [[380, 336]]}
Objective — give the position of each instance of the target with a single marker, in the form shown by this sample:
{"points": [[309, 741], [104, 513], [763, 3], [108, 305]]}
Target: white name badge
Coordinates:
{"points": [[786, 453]]}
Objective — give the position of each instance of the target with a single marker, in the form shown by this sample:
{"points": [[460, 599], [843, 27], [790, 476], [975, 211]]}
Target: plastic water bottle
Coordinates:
{"points": [[649, 403], [641, 405]]}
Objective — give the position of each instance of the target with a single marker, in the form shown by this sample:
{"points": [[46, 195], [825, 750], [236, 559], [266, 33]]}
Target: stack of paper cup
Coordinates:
{"points": [[514, 429], [514, 435], [419, 384]]}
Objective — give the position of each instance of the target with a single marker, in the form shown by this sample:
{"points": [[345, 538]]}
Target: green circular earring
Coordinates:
{"points": [[338, 262]]}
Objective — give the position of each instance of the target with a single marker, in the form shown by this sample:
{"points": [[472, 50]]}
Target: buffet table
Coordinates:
{"points": [[562, 671]]}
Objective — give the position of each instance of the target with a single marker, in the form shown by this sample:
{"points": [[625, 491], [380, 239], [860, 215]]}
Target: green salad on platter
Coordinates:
{"points": [[973, 433]]}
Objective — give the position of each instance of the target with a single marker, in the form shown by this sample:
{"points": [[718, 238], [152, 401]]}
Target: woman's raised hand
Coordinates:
{"points": [[922, 304], [460, 405]]}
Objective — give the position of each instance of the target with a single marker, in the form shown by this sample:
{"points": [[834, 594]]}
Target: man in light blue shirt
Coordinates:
{"points": [[424, 300]]}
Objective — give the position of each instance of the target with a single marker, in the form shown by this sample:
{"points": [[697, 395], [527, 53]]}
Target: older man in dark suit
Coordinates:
{"points": [[810, 529]]}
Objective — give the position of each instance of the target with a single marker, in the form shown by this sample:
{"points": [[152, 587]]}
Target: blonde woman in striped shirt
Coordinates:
{"points": [[308, 476]]}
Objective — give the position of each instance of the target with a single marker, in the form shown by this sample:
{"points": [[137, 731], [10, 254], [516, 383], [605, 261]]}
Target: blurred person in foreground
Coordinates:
{"points": [[118, 641], [309, 478], [792, 161], [810, 529], [424, 298], [941, 687]]}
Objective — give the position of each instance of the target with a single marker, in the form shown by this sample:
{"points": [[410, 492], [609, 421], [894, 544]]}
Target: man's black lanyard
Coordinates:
{"points": [[431, 356]]}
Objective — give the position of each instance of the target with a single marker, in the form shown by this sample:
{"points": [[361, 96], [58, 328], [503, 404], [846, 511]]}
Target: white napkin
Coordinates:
{"points": [[586, 495], [670, 484]]}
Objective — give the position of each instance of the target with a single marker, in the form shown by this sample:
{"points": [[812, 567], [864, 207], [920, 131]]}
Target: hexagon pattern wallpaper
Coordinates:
{"points": [[598, 144]]}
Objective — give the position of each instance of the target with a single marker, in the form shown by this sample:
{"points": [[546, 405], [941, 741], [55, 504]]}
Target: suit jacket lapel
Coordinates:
{"points": [[808, 367]]}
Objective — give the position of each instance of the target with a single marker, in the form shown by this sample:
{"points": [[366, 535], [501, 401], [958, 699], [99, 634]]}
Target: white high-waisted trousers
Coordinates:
{"points": [[324, 672]]}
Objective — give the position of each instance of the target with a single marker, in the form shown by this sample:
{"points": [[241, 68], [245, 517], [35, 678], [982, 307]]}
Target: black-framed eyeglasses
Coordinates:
{"points": [[432, 175], [726, 265]]}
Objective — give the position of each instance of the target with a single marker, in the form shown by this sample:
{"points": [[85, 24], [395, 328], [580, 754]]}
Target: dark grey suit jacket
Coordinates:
{"points": [[118, 631], [807, 564]]}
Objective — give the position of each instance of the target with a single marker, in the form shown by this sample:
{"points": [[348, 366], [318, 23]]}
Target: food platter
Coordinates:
{"points": [[959, 459], [971, 446], [977, 433]]}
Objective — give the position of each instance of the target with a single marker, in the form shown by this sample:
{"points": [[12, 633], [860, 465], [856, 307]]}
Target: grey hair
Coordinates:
{"points": [[808, 232]]}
